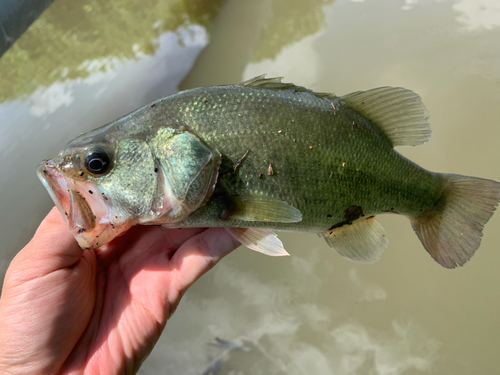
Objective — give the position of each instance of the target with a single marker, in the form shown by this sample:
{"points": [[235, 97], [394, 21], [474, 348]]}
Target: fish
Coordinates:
{"points": [[264, 156], [229, 345]]}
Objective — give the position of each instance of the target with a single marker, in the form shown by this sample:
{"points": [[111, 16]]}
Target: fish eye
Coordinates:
{"points": [[97, 162]]}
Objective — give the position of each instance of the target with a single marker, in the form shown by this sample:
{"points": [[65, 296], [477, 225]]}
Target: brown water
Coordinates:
{"points": [[86, 63]]}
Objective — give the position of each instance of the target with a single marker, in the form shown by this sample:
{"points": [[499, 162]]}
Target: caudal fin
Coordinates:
{"points": [[453, 234]]}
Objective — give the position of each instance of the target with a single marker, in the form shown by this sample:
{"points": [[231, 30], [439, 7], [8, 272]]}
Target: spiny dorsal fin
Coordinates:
{"points": [[260, 82], [363, 241], [399, 112]]}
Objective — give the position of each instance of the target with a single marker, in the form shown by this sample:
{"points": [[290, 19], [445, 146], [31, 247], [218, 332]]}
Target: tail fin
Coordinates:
{"points": [[453, 234]]}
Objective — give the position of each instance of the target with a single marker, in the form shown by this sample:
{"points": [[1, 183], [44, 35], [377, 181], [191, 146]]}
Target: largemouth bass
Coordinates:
{"points": [[261, 156]]}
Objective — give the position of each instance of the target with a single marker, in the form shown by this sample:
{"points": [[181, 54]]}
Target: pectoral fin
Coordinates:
{"points": [[264, 241], [362, 241], [251, 208]]}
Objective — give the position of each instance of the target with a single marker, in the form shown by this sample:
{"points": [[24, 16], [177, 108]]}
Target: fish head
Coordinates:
{"points": [[76, 182], [104, 183]]}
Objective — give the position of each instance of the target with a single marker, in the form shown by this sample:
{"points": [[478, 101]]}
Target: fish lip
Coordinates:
{"points": [[53, 187], [74, 207]]}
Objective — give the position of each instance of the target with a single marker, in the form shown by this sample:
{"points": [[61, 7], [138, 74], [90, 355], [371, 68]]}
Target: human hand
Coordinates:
{"points": [[68, 310]]}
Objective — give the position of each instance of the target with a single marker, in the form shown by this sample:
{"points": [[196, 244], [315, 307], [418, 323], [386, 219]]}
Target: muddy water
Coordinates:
{"points": [[84, 64]]}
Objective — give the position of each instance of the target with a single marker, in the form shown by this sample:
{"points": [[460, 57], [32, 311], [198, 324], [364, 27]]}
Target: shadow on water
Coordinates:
{"points": [[15, 17]]}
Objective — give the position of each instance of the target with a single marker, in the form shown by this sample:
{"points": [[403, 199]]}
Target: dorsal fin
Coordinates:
{"points": [[399, 112], [260, 82]]}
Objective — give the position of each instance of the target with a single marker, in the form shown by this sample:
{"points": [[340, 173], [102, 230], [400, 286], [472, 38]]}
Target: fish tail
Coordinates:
{"points": [[452, 232]]}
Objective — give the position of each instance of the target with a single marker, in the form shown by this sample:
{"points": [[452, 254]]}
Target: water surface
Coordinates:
{"points": [[84, 64]]}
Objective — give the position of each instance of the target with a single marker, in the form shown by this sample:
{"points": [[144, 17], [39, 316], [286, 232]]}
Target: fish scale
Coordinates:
{"points": [[301, 174]]}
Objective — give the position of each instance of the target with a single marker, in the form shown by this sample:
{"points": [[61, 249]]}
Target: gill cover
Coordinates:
{"points": [[189, 168]]}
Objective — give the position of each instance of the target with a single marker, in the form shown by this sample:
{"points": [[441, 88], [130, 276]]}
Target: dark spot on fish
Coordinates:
{"points": [[152, 105], [44, 171], [91, 192], [328, 215], [80, 174], [80, 230], [351, 214], [112, 225], [156, 170], [239, 161], [65, 213]]}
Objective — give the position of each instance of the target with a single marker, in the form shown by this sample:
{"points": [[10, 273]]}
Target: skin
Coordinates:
{"points": [[74, 311]]}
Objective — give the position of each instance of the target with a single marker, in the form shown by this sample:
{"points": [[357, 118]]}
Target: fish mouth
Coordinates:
{"points": [[81, 205]]}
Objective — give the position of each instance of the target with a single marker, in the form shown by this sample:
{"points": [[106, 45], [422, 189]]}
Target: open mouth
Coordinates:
{"points": [[72, 205], [75, 200]]}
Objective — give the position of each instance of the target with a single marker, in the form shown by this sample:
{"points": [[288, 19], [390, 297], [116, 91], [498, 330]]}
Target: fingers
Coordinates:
{"points": [[199, 254], [143, 241], [52, 247]]}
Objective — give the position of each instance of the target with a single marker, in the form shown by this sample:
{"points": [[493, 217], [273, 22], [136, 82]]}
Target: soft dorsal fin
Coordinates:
{"points": [[260, 82], [399, 112]]}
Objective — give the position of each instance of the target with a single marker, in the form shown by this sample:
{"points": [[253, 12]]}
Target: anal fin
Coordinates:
{"points": [[264, 241], [362, 241]]}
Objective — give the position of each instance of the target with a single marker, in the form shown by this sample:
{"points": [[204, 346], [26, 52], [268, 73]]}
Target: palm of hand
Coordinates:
{"points": [[102, 310]]}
